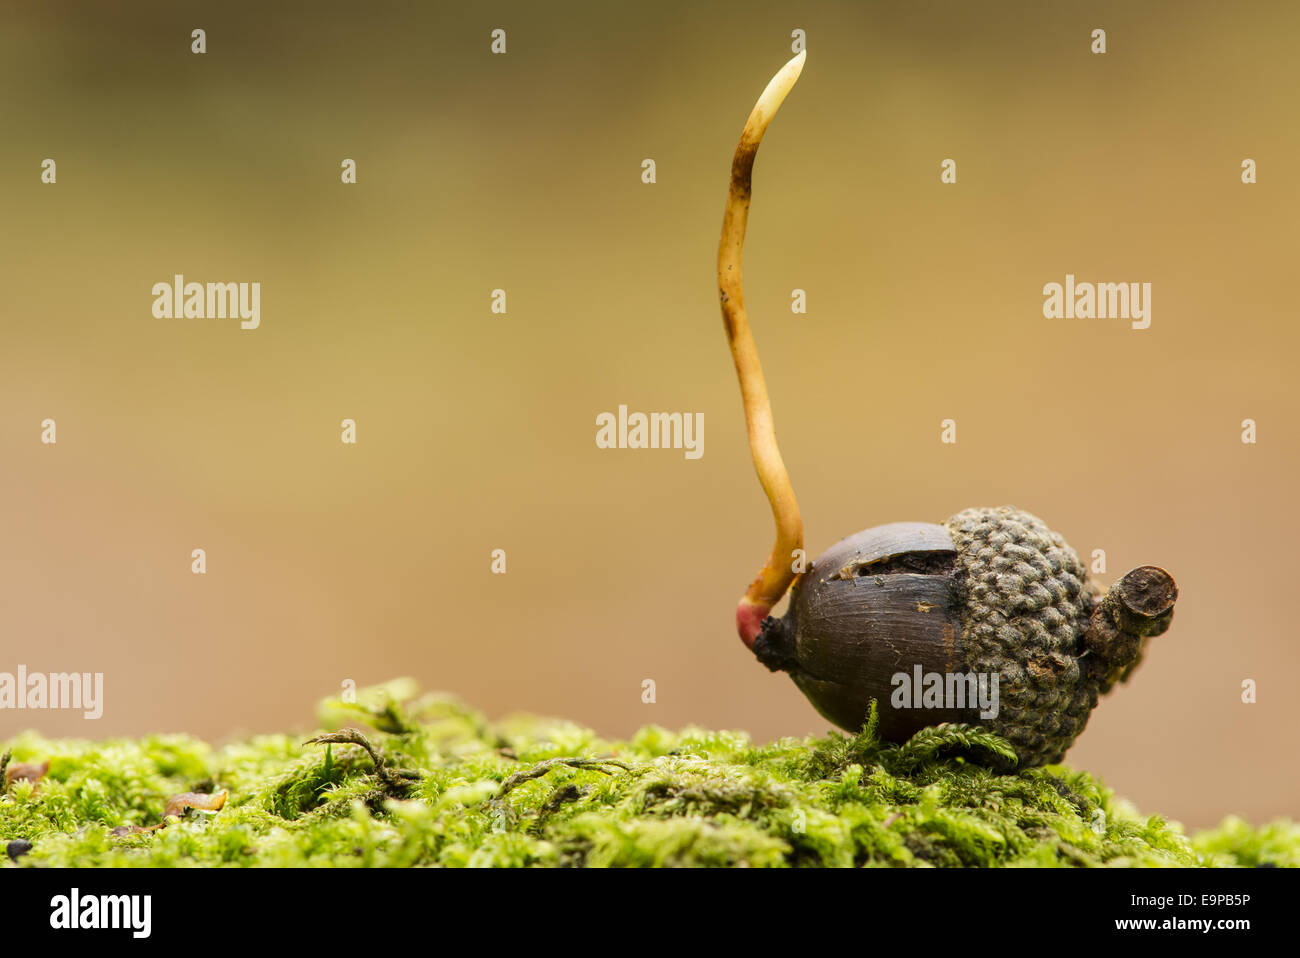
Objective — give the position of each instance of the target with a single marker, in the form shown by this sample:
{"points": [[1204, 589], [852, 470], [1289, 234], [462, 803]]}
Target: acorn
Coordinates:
{"points": [[988, 618]]}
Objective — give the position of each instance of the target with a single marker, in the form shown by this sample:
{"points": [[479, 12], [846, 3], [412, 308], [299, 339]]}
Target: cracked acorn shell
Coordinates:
{"points": [[989, 591]]}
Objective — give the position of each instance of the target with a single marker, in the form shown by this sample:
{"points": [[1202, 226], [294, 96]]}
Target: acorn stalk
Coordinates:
{"points": [[777, 574]]}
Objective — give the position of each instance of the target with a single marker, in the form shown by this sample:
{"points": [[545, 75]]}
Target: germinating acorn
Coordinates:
{"points": [[988, 618]]}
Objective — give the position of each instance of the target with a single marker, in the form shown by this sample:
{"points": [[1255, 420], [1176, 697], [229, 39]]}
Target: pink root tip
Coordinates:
{"points": [[749, 621]]}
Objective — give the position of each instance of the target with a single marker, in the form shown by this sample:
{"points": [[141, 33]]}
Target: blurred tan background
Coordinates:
{"points": [[476, 431]]}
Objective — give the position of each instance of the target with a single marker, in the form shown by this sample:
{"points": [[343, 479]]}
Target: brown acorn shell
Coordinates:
{"points": [[878, 603]]}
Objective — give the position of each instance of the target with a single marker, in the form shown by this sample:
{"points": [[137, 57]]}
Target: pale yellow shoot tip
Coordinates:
{"points": [[774, 95]]}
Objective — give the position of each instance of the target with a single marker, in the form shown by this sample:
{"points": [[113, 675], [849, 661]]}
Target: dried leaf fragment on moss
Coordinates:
{"points": [[177, 805], [24, 771]]}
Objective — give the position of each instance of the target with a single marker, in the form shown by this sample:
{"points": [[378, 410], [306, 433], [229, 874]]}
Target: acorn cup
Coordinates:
{"points": [[988, 619]]}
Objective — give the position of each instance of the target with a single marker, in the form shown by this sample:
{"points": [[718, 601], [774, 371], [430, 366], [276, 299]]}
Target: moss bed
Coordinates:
{"points": [[452, 789]]}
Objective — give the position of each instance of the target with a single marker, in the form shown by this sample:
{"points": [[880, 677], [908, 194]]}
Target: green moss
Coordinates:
{"points": [[446, 787]]}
